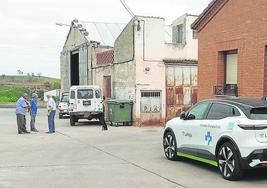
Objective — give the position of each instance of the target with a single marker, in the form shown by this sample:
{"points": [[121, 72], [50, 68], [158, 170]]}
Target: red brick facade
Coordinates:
{"points": [[238, 25]]}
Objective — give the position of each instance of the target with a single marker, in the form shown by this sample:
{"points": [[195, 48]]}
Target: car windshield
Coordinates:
{"points": [[65, 98], [85, 94], [258, 113]]}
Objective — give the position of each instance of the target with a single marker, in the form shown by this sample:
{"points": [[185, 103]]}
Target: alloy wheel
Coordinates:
{"points": [[226, 161], [169, 146]]}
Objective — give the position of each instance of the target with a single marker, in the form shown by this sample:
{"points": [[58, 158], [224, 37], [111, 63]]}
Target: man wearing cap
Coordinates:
{"points": [[33, 111], [21, 109], [51, 107]]}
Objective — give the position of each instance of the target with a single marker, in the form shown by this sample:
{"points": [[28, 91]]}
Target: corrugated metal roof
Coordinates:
{"points": [[105, 33]]}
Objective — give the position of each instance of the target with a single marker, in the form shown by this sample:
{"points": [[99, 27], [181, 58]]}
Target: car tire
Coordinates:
{"points": [[228, 162], [72, 120], [169, 146]]}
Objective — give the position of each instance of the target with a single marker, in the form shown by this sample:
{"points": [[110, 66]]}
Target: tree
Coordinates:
{"points": [[47, 85], [19, 72], [3, 76], [33, 74], [56, 84], [39, 74]]}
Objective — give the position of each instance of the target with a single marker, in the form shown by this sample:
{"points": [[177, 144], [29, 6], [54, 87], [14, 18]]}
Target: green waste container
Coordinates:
{"points": [[120, 112]]}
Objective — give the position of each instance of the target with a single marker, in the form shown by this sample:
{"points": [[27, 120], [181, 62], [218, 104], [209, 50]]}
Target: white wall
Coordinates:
{"points": [[190, 49]]}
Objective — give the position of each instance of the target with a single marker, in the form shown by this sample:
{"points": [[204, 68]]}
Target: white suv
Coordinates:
{"points": [[85, 103], [230, 134]]}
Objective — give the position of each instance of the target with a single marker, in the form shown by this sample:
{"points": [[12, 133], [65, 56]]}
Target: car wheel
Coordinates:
{"points": [[169, 146], [72, 120], [228, 162]]}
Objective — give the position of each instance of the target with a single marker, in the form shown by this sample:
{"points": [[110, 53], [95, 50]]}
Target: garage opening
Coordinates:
{"points": [[74, 68]]}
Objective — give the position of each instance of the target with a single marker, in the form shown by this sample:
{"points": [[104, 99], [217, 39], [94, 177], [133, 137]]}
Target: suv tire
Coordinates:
{"points": [[170, 146], [228, 162], [72, 120]]}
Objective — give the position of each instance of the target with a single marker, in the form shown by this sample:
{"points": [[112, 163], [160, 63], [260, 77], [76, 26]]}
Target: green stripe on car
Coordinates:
{"points": [[211, 162]]}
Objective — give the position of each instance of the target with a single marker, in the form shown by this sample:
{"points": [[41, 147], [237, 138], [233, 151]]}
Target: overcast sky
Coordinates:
{"points": [[30, 40]]}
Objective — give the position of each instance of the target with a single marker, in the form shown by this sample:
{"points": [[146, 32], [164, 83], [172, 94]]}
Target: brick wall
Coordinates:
{"points": [[239, 25]]}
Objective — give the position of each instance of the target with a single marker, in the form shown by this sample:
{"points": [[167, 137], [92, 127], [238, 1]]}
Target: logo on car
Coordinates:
{"points": [[208, 137]]}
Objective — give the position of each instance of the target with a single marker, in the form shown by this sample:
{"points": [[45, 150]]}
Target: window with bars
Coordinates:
{"points": [[150, 94]]}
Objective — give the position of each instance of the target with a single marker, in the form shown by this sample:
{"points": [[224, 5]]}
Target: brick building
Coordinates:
{"points": [[232, 36]]}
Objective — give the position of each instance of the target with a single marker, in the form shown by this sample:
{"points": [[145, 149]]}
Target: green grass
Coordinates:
{"points": [[11, 94], [11, 87]]}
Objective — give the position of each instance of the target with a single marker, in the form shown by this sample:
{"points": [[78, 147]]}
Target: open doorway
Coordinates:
{"points": [[74, 68]]}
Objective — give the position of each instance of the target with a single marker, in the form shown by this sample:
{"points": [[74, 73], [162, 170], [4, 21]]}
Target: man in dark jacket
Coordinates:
{"points": [[102, 117], [33, 111]]}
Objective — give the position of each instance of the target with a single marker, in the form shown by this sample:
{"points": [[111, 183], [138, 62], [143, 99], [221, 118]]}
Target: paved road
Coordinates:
{"points": [[85, 157]]}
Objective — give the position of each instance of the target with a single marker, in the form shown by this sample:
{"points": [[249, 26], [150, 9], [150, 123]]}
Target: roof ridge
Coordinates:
{"points": [[208, 13], [83, 21]]}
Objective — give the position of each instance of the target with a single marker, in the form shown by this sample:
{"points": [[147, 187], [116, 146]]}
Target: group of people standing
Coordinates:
{"points": [[23, 106]]}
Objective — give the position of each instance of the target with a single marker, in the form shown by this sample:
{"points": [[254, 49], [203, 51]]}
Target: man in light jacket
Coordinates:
{"points": [[22, 108], [51, 107]]}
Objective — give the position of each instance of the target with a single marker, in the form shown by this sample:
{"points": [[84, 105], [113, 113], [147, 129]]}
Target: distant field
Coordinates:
{"points": [[11, 87]]}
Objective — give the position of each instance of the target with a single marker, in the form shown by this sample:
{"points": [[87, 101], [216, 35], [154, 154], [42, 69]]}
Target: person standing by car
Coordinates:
{"points": [[102, 117], [51, 107], [22, 107], [33, 111]]}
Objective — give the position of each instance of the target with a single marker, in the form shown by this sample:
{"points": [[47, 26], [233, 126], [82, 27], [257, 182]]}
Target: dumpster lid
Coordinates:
{"points": [[119, 101]]}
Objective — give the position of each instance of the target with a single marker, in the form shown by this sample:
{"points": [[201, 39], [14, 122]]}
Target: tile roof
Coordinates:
{"points": [[104, 58], [180, 61]]}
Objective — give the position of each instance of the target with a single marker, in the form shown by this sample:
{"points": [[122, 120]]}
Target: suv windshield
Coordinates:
{"points": [[258, 113], [65, 98], [85, 94]]}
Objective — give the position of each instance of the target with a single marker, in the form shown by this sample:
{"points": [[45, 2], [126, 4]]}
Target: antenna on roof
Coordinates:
{"points": [[127, 7]]}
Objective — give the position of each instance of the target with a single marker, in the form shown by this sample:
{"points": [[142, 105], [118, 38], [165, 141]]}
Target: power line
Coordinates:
{"points": [[127, 7]]}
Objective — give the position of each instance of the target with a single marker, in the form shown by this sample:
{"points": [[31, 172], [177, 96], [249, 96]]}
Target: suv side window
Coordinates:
{"points": [[221, 111], [198, 111], [97, 94], [72, 94]]}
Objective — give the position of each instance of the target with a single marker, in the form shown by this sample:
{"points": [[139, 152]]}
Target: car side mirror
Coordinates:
{"points": [[191, 116], [182, 115]]}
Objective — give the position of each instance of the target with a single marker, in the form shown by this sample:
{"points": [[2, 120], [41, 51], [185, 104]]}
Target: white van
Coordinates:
{"points": [[85, 103], [63, 106]]}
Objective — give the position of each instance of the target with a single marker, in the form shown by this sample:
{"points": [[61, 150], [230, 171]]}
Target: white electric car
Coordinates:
{"points": [[230, 134]]}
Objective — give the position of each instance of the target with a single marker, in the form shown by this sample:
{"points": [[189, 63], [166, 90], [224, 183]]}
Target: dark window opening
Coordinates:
{"points": [[97, 94], [180, 34], [258, 113], [72, 94], [85, 94], [74, 69], [65, 98], [150, 94]]}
